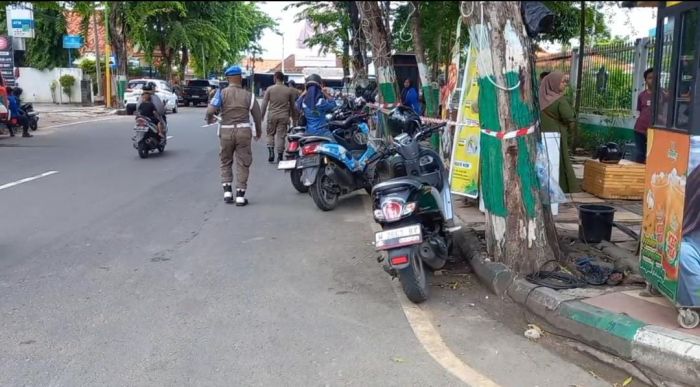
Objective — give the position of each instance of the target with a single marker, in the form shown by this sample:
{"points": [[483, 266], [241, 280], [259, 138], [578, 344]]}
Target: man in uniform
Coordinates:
{"points": [[280, 99], [295, 93], [236, 130]]}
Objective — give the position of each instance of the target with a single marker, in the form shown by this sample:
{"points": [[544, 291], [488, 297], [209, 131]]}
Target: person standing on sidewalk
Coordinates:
{"points": [[644, 118], [236, 105], [280, 99]]}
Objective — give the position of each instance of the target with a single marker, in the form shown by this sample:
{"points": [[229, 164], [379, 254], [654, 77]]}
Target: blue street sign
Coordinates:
{"points": [[72, 41]]}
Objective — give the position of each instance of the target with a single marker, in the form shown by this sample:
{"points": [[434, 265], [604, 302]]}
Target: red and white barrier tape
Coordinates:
{"points": [[427, 120]]}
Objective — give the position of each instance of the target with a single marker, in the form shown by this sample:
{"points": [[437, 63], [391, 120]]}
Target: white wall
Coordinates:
{"points": [[36, 84]]}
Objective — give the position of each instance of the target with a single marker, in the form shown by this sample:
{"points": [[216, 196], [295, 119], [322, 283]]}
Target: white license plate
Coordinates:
{"points": [[398, 237], [287, 164]]}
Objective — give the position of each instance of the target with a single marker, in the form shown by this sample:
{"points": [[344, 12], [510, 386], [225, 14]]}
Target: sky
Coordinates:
{"points": [[622, 22]]}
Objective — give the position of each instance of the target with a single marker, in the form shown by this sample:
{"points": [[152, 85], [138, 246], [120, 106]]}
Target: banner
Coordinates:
{"points": [[7, 60], [464, 164]]}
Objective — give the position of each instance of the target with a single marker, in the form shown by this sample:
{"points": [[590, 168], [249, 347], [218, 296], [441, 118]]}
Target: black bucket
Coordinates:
{"points": [[596, 222]]}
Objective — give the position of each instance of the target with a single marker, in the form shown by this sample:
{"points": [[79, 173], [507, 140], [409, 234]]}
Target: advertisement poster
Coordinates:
{"points": [[464, 167], [7, 62], [664, 203], [688, 293]]}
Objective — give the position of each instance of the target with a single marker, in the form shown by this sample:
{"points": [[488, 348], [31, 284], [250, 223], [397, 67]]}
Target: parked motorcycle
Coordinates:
{"points": [[335, 167], [32, 116], [414, 209], [291, 154], [146, 138]]}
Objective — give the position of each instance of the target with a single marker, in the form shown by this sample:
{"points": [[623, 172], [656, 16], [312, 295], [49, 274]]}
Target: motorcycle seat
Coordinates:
{"points": [[344, 124], [396, 183], [309, 139]]}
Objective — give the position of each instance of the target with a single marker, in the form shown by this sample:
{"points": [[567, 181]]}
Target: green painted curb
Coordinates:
{"points": [[616, 324]]}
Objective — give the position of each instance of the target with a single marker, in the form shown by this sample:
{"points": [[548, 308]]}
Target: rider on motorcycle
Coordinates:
{"points": [[17, 113], [153, 108], [315, 103]]}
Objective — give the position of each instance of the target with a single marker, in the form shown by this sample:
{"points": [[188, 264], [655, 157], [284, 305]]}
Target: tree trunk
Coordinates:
{"points": [[423, 72], [438, 56], [184, 61], [518, 232], [377, 35], [346, 59], [357, 41]]}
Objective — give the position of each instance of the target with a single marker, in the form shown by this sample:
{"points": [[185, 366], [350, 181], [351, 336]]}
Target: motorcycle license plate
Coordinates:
{"points": [[309, 161], [398, 237], [287, 164]]}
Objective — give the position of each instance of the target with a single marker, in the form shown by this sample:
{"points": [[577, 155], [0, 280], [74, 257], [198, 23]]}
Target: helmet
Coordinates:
{"points": [[314, 78], [291, 83], [17, 91], [149, 86], [403, 119]]}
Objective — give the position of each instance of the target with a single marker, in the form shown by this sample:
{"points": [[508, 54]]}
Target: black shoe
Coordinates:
{"points": [[240, 198], [271, 153], [228, 194], [26, 135], [280, 157]]}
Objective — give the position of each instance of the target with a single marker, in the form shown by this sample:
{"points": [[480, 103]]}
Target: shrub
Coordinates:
{"points": [[67, 82]]}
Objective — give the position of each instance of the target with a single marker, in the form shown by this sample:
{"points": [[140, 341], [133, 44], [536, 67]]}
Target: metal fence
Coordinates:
{"points": [[612, 74]]}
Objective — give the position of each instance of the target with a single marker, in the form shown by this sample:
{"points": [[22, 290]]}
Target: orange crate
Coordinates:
{"points": [[614, 181]]}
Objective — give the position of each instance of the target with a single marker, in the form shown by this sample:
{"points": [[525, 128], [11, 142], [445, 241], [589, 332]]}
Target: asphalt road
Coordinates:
{"points": [[118, 271]]}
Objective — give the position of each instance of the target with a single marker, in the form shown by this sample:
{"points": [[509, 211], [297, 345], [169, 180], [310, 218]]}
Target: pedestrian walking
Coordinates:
{"points": [[236, 131], [280, 101]]}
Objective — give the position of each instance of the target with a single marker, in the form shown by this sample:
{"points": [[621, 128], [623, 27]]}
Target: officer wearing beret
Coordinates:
{"points": [[235, 105]]}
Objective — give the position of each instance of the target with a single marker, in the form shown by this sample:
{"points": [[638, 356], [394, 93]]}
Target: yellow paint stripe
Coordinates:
{"points": [[430, 338]]}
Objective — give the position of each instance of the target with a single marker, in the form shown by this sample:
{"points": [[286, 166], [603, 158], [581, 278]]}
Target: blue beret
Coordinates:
{"points": [[233, 70]]}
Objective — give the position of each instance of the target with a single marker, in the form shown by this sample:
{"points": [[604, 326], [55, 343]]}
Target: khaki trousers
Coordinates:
{"points": [[277, 133], [235, 143]]}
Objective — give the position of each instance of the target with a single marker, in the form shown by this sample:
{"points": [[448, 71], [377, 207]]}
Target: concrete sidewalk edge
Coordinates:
{"points": [[671, 355]]}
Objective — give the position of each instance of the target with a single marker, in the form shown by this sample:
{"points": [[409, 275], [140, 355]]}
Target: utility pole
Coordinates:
{"points": [[108, 54], [282, 53], [97, 53]]}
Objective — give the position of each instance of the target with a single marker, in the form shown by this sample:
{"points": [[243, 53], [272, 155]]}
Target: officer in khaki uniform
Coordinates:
{"points": [[236, 131], [280, 99]]}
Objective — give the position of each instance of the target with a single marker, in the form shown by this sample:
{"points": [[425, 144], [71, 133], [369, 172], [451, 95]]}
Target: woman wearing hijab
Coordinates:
{"points": [[315, 104], [689, 260], [557, 116]]}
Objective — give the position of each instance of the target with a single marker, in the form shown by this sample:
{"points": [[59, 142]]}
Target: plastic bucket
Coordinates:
{"points": [[596, 222]]}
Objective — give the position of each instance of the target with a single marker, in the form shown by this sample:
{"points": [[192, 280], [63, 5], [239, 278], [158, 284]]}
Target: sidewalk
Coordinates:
{"points": [[614, 320], [54, 114]]}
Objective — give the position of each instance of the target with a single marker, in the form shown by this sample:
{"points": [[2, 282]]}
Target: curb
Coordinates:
{"points": [[671, 355]]}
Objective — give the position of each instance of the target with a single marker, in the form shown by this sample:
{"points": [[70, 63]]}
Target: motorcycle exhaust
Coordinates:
{"points": [[430, 255], [340, 175]]}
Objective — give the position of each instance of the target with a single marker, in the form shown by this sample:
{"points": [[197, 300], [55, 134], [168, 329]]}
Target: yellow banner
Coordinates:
{"points": [[464, 170], [672, 3]]}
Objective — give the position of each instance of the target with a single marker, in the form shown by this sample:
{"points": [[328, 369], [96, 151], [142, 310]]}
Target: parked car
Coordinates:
{"points": [[197, 91], [163, 91]]}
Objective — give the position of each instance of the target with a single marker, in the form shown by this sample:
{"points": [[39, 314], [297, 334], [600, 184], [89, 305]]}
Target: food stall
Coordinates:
{"points": [[670, 240]]}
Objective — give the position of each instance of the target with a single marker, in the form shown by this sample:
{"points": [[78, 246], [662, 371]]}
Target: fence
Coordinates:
{"points": [[612, 75]]}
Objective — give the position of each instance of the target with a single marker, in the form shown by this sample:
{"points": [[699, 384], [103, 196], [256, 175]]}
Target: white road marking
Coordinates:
{"points": [[26, 180], [430, 338]]}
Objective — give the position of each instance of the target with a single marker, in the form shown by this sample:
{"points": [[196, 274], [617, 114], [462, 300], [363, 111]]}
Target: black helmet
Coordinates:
{"points": [[149, 86], [17, 91], [403, 119], [291, 83], [314, 78]]}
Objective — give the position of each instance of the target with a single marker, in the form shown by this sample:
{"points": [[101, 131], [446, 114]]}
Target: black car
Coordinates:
{"points": [[196, 92]]}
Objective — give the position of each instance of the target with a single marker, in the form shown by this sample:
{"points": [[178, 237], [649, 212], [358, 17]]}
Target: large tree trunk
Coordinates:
{"points": [[346, 59], [519, 234], [377, 35], [358, 46], [423, 72], [184, 61]]}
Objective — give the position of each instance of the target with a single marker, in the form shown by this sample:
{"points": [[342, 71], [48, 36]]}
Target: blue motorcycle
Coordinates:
{"points": [[332, 167]]}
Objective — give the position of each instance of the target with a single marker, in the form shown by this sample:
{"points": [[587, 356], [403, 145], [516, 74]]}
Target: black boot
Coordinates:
{"points": [[280, 156], [240, 198], [271, 152], [25, 133], [228, 194]]}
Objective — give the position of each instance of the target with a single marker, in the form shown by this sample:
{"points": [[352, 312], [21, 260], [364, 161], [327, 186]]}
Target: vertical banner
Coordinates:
{"points": [[7, 60], [451, 79], [664, 201], [464, 165]]}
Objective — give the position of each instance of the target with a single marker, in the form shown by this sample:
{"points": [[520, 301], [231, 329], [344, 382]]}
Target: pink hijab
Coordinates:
{"points": [[549, 89]]}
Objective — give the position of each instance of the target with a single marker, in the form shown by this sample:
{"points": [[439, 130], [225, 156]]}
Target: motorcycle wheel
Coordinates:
{"points": [[296, 181], [143, 151], [324, 199], [414, 280]]}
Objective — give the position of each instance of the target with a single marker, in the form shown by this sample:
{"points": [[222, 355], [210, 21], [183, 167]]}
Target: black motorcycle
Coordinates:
{"points": [[414, 209], [291, 154], [27, 109], [146, 138]]}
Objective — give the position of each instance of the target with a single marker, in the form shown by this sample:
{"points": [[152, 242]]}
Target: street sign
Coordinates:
{"points": [[7, 60], [72, 41], [20, 20]]}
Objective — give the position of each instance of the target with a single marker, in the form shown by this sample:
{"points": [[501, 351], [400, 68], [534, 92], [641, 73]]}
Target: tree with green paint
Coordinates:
{"points": [[375, 31], [520, 229]]}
